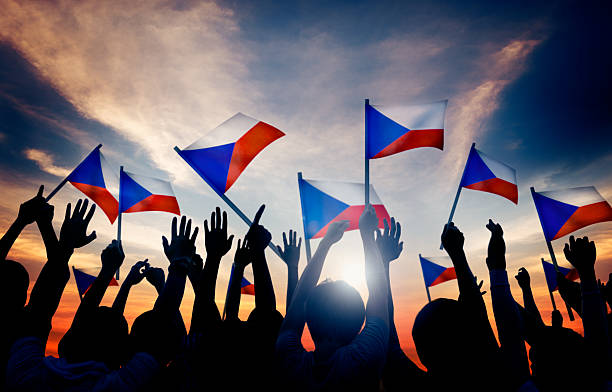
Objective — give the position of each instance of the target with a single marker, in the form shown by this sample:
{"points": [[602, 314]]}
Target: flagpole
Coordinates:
{"points": [[365, 155], [65, 180], [306, 239], [554, 261], [119, 218], [552, 298], [426, 287], [452, 213], [233, 206]]}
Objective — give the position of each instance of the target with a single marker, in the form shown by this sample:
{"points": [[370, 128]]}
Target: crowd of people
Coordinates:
{"points": [[356, 344]]}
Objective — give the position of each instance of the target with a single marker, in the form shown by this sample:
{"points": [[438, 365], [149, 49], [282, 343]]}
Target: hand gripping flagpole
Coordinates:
{"points": [[65, 180], [452, 213], [119, 218], [554, 261], [552, 297], [306, 239], [226, 200], [426, 286], [365, 155]]}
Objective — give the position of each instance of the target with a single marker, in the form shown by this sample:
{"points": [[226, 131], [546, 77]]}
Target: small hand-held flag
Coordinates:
{"points": [[325, 202], [138, 193], [220, 156], [84, 277], [550, 273], [92, 177], [434, 274], [392, 129], [483, 173]]}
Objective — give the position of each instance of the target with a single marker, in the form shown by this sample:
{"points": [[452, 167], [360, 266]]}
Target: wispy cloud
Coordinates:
{"points": [[45, 162]]}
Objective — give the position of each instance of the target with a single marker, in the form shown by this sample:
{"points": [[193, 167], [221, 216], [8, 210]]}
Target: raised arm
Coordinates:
{"points": [[524, 282], [570, 292], [259, 238], [290, 253], [507, 316], [242, 258], [136, 275], [179, 252], [294, 319], [28, 213]]}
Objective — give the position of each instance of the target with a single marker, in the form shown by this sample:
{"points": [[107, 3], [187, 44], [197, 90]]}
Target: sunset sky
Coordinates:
{"points": [[529, 82]]}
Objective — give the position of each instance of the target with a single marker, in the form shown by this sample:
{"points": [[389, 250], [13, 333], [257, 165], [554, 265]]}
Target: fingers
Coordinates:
{"points": [[181, 231], [299, 243], [77, 208], [285, 240], [398, 231], [206, 230], [386, 226], [230, 240], [174, 232], [90, 214], [83, 209], [68, 212], [90, 238], [40, 191], [165, 243], [393, 228], [195, 234], [224, 223], [259, 214]]}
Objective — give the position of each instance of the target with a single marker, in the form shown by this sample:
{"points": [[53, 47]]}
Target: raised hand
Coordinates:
{"points": [[243, 256], [497, 247], [291, 252], [182, 243], [335, 231], [137, 272], [112, 256], [73, 233], [31, 210], [606, 290], [388, 242], [156, 277], [258, 236], [195, 270], [216, 240], [368, 221], [523, 278], [452, 238], [581, 253], [557, 319]]}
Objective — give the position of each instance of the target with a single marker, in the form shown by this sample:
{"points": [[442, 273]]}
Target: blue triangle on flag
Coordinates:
{"points": [[130, 192], [83, 280], [475, 170], [431, 270], [212, 163], [382, 131], [553, 214], [89, 171], [318, 208]]}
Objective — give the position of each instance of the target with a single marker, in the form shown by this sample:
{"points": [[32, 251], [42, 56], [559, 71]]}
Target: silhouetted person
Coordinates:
{"points": [[290, 254], [136, 275], [344, 358]]}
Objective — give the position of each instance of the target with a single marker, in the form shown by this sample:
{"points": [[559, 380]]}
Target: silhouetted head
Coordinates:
{"points": [[14, 287], [334, 313], [155, 333], [552, 349], [98, 335]]}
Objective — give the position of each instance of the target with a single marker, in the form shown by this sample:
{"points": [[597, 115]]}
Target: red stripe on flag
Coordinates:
{"points": [[584, 216], [249, 290], [156, 203], [497, 186], [248, 146], [102, 197], [414, 139], [352, 215], [448, 274]]}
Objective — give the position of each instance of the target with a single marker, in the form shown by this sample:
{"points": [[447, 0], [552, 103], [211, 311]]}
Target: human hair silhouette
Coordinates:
{"points": [[334, 313], [14, 288]]}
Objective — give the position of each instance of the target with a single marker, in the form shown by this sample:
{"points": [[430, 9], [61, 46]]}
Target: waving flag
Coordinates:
{"points": [[140, 193], [551, 275], [222, 155], [324, 202], [84, 277], [434, 273], [394, 129], [247, 287], [486, 174], [563, 212], [92, 177]]}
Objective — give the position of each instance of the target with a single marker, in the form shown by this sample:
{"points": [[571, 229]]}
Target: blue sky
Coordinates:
{"points": [[527, 81]]}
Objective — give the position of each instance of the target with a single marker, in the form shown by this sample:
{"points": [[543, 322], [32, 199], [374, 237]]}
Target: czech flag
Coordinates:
{"points": [[324, 202], [140, 193], [551, 275], [247, 287], [486, 174], [222, 155], [434, 273], [563, 212], [84, 277], [394, 129], [92, 177]]}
